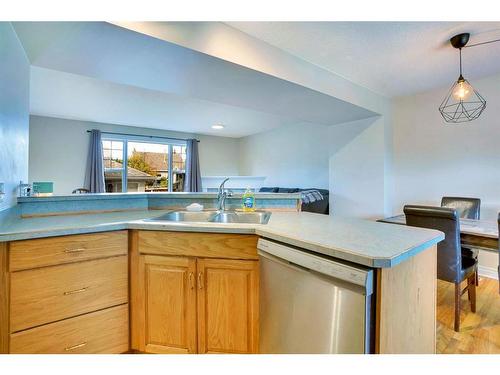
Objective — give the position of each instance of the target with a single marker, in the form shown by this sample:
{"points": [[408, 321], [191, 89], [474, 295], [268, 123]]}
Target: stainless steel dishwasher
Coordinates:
{"points": [[313, 304]]}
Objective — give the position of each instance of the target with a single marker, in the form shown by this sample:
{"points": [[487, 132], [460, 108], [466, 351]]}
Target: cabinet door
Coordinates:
{"points": [[228, 306], [168, 304]]}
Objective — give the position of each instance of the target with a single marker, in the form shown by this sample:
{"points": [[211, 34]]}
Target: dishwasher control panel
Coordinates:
{"points": [[327, 266]]}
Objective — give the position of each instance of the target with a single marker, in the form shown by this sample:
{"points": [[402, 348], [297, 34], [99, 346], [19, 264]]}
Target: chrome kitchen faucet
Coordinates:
{"points": [[222, 195]]}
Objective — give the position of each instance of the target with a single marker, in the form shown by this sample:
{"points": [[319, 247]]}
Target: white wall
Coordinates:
{"points": [[433, 158], [350, 159], [58, 150], [219, 156], [357, 168], [290, 156], [14, 113]]}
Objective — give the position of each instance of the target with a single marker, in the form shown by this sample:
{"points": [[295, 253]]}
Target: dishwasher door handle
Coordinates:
{"points": [[284, 263], [327, 266]]}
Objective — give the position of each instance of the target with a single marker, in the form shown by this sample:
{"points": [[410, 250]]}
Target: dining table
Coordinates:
{"points": [[480, 234]]}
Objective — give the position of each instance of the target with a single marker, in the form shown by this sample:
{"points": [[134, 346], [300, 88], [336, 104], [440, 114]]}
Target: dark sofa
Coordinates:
{"points": [[319, 206]]}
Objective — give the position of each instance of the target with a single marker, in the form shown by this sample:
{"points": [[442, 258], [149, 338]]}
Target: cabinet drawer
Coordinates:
{"points": [[207, 245], [42, 252], [104, 331], [48, 294]]}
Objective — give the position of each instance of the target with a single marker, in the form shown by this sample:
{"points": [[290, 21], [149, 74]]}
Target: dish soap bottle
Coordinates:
{"points": [[248, 200]]}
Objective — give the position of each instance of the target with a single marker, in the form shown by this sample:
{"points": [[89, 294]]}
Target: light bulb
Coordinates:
{"points": [[462, 90]]}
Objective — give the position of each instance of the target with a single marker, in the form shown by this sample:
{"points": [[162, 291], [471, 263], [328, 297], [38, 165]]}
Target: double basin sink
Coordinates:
{"points": [[256, 217]]}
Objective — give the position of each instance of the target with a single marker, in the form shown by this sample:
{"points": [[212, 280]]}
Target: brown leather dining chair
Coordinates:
{"points": [[80, 191], [467, 208], [451, 265]]}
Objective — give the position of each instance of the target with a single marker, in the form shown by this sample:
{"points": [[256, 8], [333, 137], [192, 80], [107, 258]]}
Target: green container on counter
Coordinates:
{"points": [[43, 188]]}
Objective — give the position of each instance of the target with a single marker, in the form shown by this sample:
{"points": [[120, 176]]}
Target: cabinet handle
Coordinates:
{"points": [[200, 280], [75, 346], [191, 280], [75, 291], [77, 250]]}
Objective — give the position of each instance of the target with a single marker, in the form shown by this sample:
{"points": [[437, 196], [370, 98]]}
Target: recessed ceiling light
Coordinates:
{"points": [[218, 126]]}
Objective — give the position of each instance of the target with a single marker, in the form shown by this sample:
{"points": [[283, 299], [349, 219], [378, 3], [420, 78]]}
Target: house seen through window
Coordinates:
{"points": [[134, 165]]}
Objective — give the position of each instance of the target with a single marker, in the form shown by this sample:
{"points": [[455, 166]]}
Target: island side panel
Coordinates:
{"points": [[4, 299], [406, 306], [135, 296]]}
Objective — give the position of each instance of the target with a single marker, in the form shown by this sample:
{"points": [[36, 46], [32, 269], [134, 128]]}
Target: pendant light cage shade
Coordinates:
{"points": [[455, 109]]}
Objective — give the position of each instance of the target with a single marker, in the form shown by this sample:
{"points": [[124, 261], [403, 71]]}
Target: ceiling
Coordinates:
{"points": [[389, 58], [58, 94], [97, 71]]}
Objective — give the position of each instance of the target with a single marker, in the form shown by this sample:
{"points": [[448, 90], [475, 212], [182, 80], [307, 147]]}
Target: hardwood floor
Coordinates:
{"points": [[479, 332]]}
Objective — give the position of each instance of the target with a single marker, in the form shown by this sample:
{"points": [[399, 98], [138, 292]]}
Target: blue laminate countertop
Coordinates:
{"points": [[114, 196], [364, 242], [112, 202]]}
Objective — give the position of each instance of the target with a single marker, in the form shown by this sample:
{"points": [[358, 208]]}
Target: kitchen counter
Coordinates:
{"points": [[363, 242], [404, 307]]}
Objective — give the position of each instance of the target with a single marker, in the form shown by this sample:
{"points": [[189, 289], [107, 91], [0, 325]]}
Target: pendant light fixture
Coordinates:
{"points": [[462, 103]]}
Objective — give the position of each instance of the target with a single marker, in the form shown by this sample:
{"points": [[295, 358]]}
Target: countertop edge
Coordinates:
{"points": [[349, 256], [20, 236]]}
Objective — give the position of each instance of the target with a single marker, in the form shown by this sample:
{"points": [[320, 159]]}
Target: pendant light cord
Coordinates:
{"points": [[474, 45], [460, 50], [480, 44]]}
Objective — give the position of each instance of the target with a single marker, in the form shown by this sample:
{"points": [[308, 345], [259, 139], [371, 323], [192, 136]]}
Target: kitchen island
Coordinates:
{"points": [[403, 259]]}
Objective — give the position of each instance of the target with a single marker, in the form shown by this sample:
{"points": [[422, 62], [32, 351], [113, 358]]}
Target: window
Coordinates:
{"points": [[143, 164], [148, 166], [178, 167], [113, 165]]}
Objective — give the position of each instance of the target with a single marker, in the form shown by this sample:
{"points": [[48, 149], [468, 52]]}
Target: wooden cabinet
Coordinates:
{"points": [[65, 294], [228, 293], [103, 331], [42, 252], [189, 293], [194, 304], [48, 294], [168, 299], [192, 244]]}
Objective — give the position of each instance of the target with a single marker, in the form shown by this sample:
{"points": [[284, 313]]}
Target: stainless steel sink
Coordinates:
{"points": [[226, 217], [256, 217], [201, 216]]}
